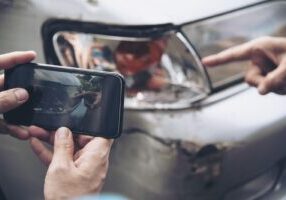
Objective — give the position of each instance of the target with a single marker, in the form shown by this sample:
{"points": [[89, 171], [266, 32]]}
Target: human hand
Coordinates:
{"points": [[267, 70], [13, 98], [73, 172]]}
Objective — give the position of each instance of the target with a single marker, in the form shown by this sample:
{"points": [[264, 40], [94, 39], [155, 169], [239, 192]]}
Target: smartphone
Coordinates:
{"points": [[86, 101]]}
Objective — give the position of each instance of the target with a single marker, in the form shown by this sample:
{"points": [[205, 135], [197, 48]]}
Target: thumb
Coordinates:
{"points": [[12, 98], [274, 80], [63, 147]]}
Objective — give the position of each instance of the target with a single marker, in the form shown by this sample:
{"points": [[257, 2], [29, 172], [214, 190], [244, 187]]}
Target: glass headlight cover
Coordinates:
{"points": [[160, 73]]}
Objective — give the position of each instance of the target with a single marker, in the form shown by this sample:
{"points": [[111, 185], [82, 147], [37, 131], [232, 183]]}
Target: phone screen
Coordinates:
{"points": [[86, 102]]}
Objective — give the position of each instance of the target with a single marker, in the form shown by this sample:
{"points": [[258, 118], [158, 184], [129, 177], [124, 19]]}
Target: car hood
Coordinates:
{"points": [[139, 12], [162, 11]]}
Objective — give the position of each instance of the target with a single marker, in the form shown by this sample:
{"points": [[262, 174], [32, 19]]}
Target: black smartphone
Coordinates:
{"points": [[88, 102]]}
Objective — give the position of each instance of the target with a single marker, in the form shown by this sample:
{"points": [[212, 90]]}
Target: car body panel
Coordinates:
{"points": [[118, 12], [228, 120]]}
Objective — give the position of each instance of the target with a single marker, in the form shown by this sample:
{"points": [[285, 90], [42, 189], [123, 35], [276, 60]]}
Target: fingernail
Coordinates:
{"points": [[62, 133], [32, 51], [21, 94], [262, 90]]}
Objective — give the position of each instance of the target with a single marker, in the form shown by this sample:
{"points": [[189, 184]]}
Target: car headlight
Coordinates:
{"points": [[161, 72]]}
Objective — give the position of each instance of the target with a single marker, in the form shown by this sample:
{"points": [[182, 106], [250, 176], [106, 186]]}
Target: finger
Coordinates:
{"points": [[12, 98], [43, 153], [254, 75], [18, 132], [11, 59], [274, 80], [77, 155], [39, 133], [63, 147], [3, 127], [82, 140], [262, 60], [95, 153], [237, 53], [1, 81]]}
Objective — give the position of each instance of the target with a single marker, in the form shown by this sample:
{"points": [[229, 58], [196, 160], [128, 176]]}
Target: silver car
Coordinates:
{"points": [[190, 132]]}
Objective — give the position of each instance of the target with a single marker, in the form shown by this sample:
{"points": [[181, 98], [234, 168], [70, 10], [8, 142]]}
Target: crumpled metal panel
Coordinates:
{"points": [[144, 167]]}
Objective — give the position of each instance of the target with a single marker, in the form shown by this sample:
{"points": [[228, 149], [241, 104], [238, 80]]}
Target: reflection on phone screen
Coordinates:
{"points": [[66, 98]]}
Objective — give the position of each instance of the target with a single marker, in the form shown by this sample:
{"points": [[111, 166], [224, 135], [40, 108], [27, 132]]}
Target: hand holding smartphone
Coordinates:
{"points": [[87, 102]]}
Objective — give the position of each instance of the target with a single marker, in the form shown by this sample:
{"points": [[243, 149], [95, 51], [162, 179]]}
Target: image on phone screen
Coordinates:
{"points": [[85, 102]]}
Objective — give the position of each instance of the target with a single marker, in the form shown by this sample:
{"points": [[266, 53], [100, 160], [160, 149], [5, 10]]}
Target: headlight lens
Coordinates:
{"points": [[160, 73]]}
